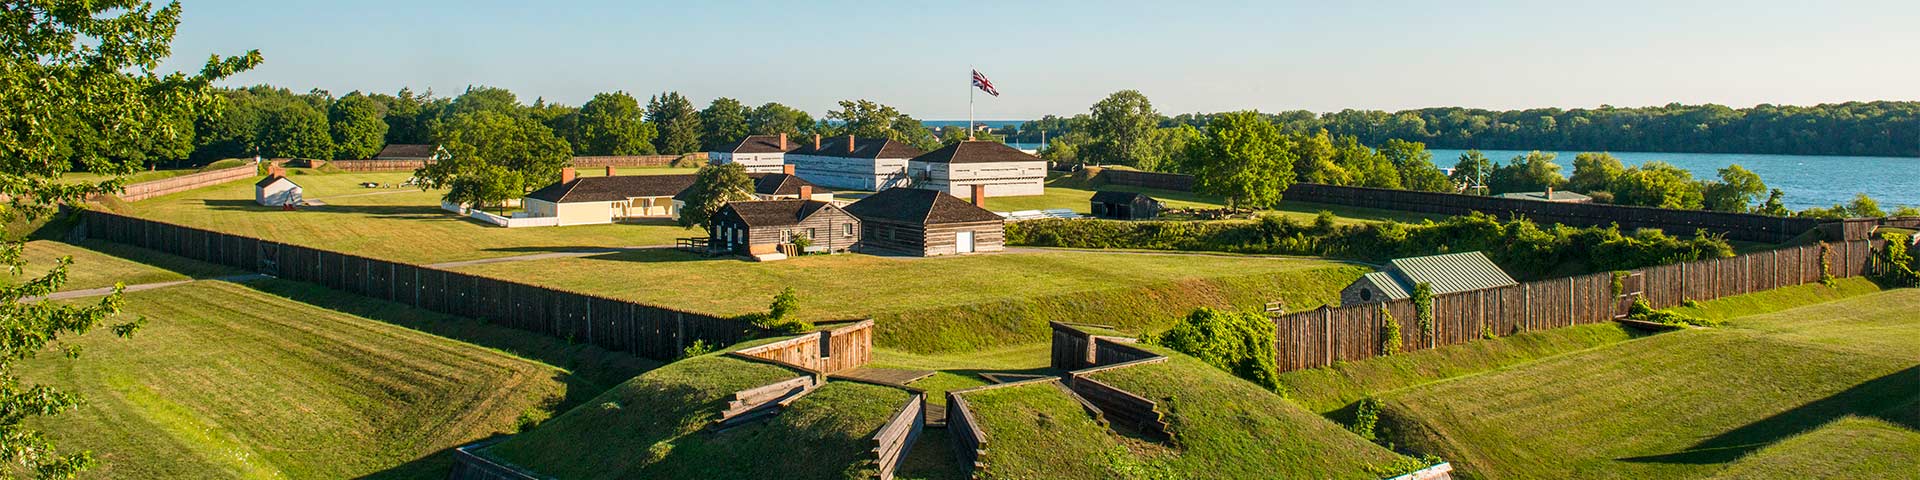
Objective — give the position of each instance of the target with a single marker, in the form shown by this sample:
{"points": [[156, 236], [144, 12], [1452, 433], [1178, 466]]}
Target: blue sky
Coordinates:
{"points": [[1060, 57]]}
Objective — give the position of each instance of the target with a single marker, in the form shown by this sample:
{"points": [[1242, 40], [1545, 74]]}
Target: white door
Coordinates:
{"points": [[963, 242]]}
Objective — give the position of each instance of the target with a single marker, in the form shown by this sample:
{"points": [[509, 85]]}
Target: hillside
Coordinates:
{"points": [[1676, 405], [225, 381], [1851, 447]]}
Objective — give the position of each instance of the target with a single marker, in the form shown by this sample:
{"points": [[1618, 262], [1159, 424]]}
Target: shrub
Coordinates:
{"points": [[801, 242], [1902, 268], [1826, 265], [781, 317], [1620, 282], [1389, 333], [1238, 342], [1486, 332], [1643, 312], [697, 348], [1423, 310], [1366, 415]]}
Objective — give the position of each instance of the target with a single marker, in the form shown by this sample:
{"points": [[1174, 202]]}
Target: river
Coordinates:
{"points": [[1807, 180]]}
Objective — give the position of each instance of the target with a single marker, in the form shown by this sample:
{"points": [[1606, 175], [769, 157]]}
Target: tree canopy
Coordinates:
{"points": [[714, 186], [1242, 158], [724, 122], [612, 124], [1118, 128], [358, 125], [1532, 172], [676, 121]]}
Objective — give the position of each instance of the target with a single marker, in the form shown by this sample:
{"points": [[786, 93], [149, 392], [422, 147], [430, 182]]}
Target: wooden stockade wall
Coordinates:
{"points": [[847, 347], [969, 442], [646, 330], [1162, 181], [894, 439], [145, 190], [373, 165], [616, 161], [1319, 338]]}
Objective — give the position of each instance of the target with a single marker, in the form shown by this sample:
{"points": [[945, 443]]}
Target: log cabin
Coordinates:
{"points": [[759, 228], [927, 223]]}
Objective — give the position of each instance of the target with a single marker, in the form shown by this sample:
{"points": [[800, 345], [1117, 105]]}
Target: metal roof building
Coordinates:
{"points": [[1448, 273]]}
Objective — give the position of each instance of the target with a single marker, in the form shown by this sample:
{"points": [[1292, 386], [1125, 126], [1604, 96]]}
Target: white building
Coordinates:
{"points": [[758, 153], [276, 190], [870, 164], [955, 169]]}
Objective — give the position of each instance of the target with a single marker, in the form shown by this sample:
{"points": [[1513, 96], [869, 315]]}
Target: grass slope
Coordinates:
{"points": [[1851, 447], [1231, 428], [1038, 431], [387, 223], [1675, 405], [825, 434], [228, 382], [90, 269], [956, 303]]}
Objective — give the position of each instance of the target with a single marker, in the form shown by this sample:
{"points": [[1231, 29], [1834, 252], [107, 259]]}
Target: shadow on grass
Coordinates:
{"points": [[1883, 397], [387, 211]]}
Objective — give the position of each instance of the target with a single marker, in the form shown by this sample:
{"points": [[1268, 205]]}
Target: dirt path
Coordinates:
{"points": [[103, 291]]}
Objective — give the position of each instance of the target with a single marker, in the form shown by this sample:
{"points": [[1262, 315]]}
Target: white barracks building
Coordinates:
{"points": [[955, 169], [870, 164], [758, 153]]}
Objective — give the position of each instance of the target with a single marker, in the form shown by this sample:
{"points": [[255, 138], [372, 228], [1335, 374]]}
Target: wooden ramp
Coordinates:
{"points": [[883, 376]]}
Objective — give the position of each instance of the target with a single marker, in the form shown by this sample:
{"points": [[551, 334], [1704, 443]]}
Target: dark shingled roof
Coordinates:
{"points": [[398, 151], [758, 144], [1109, 196], [924, 207], [774, 213], [270, 179], [977, 151], [771, 184], [862, 148], [606, 189]]}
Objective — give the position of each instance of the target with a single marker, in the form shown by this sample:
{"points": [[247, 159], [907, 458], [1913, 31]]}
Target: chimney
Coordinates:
{"points": [[566, 174], [980, 196], [849, 143], [806, 192], [816, 142], [1549, 193], [783, 142], [787, 169], [276, 171], [610, 171]]}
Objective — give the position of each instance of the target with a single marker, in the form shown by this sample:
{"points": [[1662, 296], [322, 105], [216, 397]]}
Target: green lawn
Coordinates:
{"points": [[1063, 192], [1232, 428], [225, 381], [90, 269], [1851, 447], [955, 371], [151, 175], [404, 224], [1038, 431], [951, 303], [1676, 405]]}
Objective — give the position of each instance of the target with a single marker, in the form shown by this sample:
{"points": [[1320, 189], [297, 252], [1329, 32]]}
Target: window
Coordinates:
{"points": [[1366, 294], [811, 233], [849, 228]]}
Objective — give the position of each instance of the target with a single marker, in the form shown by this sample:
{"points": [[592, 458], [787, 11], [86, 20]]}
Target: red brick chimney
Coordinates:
{"points": [[806, 192], [783, 142], [980, 196], [849, 143], [610, 171], [276, 171], [816, 142], [566, 174], [787, 169]]}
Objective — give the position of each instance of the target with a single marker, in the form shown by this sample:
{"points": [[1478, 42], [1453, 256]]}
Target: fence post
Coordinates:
{"points": [[680, 331], [1326, 327]]}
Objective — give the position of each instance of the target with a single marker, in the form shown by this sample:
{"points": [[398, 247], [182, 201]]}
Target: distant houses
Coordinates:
{"points": [[870, 164], [756, 153], [927, 223], [579, 200], [1445, 274], [956, 169], [277, 190]]}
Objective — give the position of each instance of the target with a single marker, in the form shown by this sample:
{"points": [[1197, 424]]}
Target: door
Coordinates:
{"points": [[963, 242]]}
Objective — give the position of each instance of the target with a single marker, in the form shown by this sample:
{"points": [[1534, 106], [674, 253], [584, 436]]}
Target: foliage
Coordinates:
{"points": [[714, 186], [1238, 342], [1119, 127], [1404, 466], [1423, 311], [677, 122], [1532, 172], [1903, 269], [1473, 169], [782, 316], [695, 349], [1389, 333], [358, 126], [723, 122], [1241, 158], [1826, 264], [1417, 171], [1487, 333], [1595, 172], [1619, 285], [1736, 191], [801, 242], [492, 157], [1657, 184], [1313, 157], [612, 124], [1366, 416], [76, 63], [1643, 312], [1775, 204], [869, 119], [773, 119], [297, 130]]}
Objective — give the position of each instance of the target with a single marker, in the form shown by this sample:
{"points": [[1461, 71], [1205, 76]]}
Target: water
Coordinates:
{"points": [[996, 124], [1807, 181]]}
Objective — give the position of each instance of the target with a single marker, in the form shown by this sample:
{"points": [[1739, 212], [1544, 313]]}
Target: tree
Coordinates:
{"points": [[612, 124], [1119, 127], [1657, 184], [1415, 164], [297, 130], [865, 118], [1532, 172], [358, 126], [1864, 206], [677, 122], [1167, 145], [724, 121], [1776, 205], [1242, 158], [485, 99], [489, 150], [1367, 167], [1314, 161], [774, 119], [714, 186], [953, 135], [1736, 191], [406, 116], [1595, 172], [93, 62], [1473, 169]]}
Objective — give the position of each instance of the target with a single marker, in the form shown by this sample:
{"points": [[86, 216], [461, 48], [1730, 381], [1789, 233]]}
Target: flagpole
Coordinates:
{"points": [[970, 89]]}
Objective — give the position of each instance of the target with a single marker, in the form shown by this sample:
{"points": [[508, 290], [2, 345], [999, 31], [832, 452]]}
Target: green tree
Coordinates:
{"points": [[1242, 158], [1314, 161], [1776, 205], [676, 121], [724, 121], [1417, 171], [714, 186], [1736, 191], [359, 127], [406, 116], [1473, 169], [1864, 206], [869, 119], [774, 119], [1120, 126], [486, 99], [1595, 172], [1532, 172], [1657, 184], [484, 142], [613, 124], [1238, 342], [1168, 145], [297, 130], [95, 61], [1367, 167]]}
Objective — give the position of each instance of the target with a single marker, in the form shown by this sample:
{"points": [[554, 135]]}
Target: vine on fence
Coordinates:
{"points": [[1619, 282], [1423, 310], [1389, 333], [1826, 265], [1902, 269]]}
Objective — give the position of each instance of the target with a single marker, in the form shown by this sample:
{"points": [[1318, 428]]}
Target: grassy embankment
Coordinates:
{"points": [[101, 264], [650, 427], [225, 381], [1851, 447], [404, 224], [1065, 191], [151, 175], [952, 304], [1677, 405]]}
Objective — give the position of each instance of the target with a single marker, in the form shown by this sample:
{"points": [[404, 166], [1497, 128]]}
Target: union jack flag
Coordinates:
{"points": [[981, 82]]}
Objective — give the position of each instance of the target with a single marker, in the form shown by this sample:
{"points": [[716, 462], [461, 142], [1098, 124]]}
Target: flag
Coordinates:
{"points": [[981, 82]]}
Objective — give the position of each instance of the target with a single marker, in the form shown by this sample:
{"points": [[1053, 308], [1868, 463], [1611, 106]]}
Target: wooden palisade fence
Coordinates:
{"points": [[646, 330], [821, 353], [1319, 338], [149, 189]]}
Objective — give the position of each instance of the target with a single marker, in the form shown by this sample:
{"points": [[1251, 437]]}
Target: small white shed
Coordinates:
{"points": [[276, 190]]}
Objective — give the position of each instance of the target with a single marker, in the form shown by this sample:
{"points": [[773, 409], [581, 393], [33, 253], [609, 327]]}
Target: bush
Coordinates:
{"points": [[1238, 342], [1643, 312], [1423, 311], [1903, 269], [1389, 333], [1366, 415], [781, 317]]}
